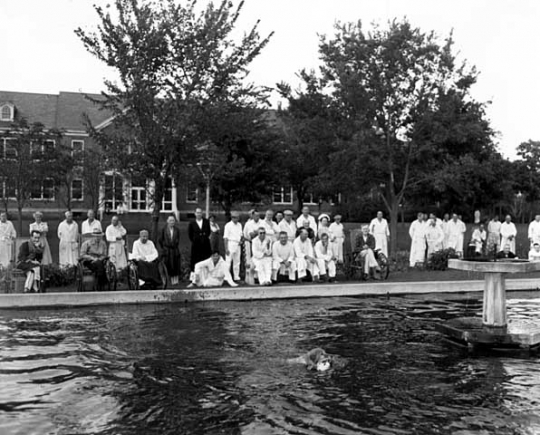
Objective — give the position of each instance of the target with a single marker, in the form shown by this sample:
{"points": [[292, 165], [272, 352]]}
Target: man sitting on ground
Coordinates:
{"points": [[305, 258], [94, 255], [365, 246], [283, 258], [326, 258], [146, 256], [212, 272]]}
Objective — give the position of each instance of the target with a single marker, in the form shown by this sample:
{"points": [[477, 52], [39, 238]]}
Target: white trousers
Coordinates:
{"points": [[327, 267], [234, 258], [263, 267], [284, 270], [369, 259], [303, 266]]}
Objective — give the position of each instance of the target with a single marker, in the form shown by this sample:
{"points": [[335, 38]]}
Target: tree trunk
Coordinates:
{"points": [[158, 198], [19, 220], [393, 212]]}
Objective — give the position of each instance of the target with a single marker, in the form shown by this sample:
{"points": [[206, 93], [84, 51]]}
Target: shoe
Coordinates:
{"points": [[191, 285]]}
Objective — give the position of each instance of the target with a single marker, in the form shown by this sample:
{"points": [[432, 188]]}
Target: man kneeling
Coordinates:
{"points": [[146, 255], [212, 272], [283, 258]]}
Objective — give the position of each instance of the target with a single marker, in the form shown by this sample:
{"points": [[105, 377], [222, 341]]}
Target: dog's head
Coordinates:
{"points": [[318, 359]]}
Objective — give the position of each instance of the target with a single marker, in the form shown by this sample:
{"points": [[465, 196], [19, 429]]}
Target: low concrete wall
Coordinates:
{"points": [[48, 300]]}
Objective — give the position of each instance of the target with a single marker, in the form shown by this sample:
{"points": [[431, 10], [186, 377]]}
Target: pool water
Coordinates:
{"points": [[220, 368]]}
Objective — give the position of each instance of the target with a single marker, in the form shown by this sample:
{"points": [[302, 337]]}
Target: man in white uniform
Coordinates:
{"points": [[7, 236], [232, 239], [534, 230], [262, 257], [508, 233], [212, 273], [90, 224], [305, 216], [494, 235], [305, 257], [251, 229], [272, 229], [288, 225], [283, 258], [115, 237], [146, 255], [68, 233], [326, 258], [417, 232], [338, 233], [379, 228], [456, 232], [434, 237]]}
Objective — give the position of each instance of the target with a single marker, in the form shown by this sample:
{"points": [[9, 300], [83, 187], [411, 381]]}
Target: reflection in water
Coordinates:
{"points": [[220, 368]]}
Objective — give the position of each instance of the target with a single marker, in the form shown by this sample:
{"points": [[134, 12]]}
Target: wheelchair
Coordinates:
{"points": [[133, 275], [84, 276], [357, 265]]}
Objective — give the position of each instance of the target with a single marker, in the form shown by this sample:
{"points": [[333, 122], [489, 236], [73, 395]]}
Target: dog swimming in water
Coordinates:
{"points": [[315, 359]]}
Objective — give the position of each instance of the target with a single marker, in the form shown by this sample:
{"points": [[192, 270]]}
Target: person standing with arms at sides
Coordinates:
{"points": [[115, 234], [199, 236], [232, 239], [446, 229], [434, 237], [379, 228], [68, 233], [43, 229], [338, 233], [288, 225], [7, 236], [169, 246], [89, 225], [214, 235], [305, 216], [508, 233], [456, 231], [417, 232], [534, 230], [494, 235], [251, 229], [272, 229], [262, 257]]}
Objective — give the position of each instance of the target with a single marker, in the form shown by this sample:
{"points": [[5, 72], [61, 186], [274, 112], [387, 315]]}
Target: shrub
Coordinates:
{"points": [[57, 276], [439, 260]]}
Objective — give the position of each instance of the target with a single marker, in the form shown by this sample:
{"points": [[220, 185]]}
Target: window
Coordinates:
{"points": [[138, 198], [167, 203], [9, 149], [335, 199], [77, 149], [309, 199], [114, 191], [282, 195], [43, 190], [7, 190], [77, 193], [6, 112], [192, 193]]}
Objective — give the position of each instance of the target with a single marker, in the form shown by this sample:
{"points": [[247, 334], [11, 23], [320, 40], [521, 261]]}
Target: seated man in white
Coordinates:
{"points": [[212, 272], [534, 253], [261, 248], [305, 257], [283, 258], [146, 256], [326, 258]]}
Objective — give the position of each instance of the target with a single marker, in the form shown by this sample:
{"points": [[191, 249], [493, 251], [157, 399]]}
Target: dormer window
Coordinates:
{"points": [[6, 112]]}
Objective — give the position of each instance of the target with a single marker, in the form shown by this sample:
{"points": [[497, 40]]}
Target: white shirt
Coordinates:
{"points": [[534, 231], [250, 227], [113, 232], [289, 228], [144, 251], [302, 248], [282, 252], [337, 230], [508, 229], [323, 253], [68, 232], [7, 231], [379, 227], [261, 248], [233, 232], [272, 229], [311, 219], [88, 228]]}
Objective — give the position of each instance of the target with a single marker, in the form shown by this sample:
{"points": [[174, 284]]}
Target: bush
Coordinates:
{"points": [[57, 276], [439, 260]]}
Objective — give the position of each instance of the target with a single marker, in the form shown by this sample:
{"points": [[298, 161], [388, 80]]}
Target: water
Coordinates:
{"points": [[219, 368]]}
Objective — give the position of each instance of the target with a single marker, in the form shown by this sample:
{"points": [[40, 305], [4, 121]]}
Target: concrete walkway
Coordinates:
{"points": [[49, 300]]}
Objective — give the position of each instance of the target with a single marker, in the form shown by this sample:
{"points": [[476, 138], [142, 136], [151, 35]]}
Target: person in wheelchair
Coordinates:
{"points": [[94, 257], [145, 256], [29, 261], [365, 251]]}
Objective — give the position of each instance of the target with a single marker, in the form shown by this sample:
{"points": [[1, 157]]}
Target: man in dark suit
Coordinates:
{"points": [[199, 234], [365, 246], [29, 261]]}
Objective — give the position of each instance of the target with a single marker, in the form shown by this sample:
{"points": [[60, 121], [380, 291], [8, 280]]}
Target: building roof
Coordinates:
{"points": [[65, 110]]}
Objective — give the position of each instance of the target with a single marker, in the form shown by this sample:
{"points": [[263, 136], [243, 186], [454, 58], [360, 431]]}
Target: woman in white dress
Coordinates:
{"points": [[43, 228]]}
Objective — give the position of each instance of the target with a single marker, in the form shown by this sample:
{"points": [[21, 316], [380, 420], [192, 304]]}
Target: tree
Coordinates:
{"points": [[174, 63], [528, 173], [30, 162]]}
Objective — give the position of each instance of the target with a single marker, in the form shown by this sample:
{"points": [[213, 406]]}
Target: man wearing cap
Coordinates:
{"points": [[305, 257], [379, 228], [305, 216], [338, 233], [262, 257], [283, 258], [232, 239], [288, 225], [93, 256], [146, 255]]}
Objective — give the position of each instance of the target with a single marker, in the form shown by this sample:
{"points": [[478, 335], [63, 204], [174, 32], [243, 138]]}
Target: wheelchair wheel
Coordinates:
{"points": [[163, 274], [133, 277], [79, 277], [383, 264], [110, 271]]}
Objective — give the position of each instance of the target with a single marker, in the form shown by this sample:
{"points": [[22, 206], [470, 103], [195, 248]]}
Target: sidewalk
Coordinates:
{"points": [[49, 300]]}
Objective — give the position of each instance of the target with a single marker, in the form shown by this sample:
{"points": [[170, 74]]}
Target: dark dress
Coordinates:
{"points": [[170, 249], [200, 242], [27, 253]]}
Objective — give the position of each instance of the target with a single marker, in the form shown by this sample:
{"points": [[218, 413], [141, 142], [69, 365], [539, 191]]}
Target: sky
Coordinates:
{"points": [[501, 38]]}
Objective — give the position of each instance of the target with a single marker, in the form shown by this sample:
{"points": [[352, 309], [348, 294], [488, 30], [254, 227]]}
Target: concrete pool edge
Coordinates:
{"points": [[50, 300]]}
